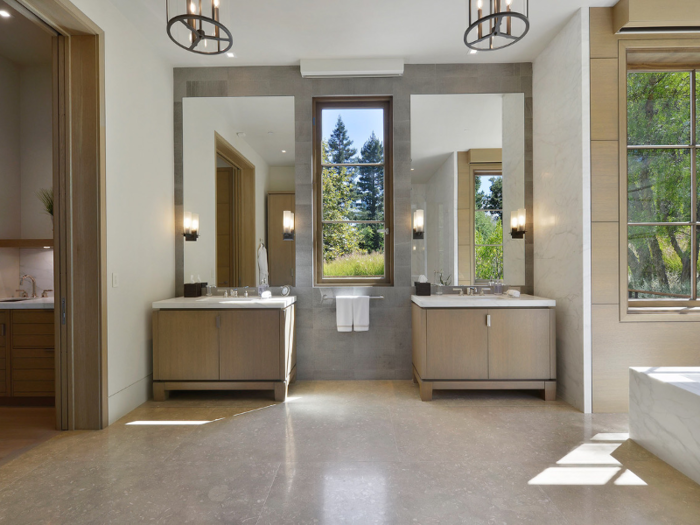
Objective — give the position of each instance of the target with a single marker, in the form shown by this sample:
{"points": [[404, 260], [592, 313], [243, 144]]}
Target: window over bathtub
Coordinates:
{"points": [[662, 215], [353, 199]]}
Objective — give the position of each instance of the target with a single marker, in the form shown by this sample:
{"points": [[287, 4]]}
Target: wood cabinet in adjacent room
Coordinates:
{"points": [[281, 254], [27, 361]]}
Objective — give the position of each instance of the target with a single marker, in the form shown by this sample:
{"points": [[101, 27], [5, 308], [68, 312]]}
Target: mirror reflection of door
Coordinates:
{"points": [[226, 267]]}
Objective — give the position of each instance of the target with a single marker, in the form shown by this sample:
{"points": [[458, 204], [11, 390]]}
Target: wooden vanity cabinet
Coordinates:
{"points": [[234, 349], [479, 349], [27, 361]]}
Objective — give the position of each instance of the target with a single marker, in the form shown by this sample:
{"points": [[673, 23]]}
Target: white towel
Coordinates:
{"points": [[360, 313], [262, 264], [343, 313]]}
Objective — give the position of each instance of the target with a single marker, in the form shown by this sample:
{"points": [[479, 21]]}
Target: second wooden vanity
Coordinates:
{"points": [[214, 343], [480, 343]]}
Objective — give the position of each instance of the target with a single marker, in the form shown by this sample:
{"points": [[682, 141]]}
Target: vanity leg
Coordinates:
{"points": [[281, 391], [426, 391], [159, 392], [550, 390]]}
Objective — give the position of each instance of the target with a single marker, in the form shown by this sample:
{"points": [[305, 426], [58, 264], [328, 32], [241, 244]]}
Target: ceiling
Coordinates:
{"points": [[23, 41], [280, 32], [268, 124], [443, 124]]}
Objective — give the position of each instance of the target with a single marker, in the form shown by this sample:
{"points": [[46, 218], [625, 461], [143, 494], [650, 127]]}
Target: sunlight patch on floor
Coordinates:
{"points": [[593, 465], [170, 423]]}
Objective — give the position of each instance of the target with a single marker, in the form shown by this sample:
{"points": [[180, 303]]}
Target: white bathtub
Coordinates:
{"points": [[665, 415]]}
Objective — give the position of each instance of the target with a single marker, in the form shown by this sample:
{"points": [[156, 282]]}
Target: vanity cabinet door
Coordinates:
{"points": [[519, 344], [250, 345], [187, 345], [457, 342]]}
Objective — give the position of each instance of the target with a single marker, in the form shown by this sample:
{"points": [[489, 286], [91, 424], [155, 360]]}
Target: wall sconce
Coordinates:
{"points": [[288, 226], [191, 226], [517, 224], [418, 224]]}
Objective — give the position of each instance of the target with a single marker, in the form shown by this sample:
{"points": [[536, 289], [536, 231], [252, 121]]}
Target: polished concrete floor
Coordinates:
{"points": [[22, 428], [360, 452]]}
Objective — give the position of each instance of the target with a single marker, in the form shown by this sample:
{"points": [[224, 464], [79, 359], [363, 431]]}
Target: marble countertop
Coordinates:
{"points": [[40, 303], [482, 301], [219, 302]]}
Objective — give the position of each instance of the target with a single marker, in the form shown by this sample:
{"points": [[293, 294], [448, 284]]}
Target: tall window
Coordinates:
{"points": [[662, 187], [353, 191], [488, 225]]}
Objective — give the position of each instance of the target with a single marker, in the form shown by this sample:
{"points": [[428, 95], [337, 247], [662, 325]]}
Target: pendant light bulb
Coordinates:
{"points": [[216, 3], [193, 8], [479, 4]]}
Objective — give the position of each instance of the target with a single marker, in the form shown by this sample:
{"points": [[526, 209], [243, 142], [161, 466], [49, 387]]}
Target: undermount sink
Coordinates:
{"points": [[15, 300]]}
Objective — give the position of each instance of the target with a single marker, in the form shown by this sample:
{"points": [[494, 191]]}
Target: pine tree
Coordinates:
{"points": [[338, 197], [340, 144], [370, 190]]}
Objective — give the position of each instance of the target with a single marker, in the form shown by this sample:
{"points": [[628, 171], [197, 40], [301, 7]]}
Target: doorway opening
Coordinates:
{"points": [[52, 224]]}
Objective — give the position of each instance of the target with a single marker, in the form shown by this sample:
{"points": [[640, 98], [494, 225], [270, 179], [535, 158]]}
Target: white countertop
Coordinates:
{"points": [[219, 302], [41, 303], [479, 301]]}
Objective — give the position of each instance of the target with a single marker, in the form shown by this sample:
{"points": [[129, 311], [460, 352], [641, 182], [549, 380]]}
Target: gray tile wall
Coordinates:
{"points": [[385, 351]]}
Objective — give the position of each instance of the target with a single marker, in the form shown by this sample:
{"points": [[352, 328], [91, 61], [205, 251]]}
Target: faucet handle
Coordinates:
{"points": [[22, 293], [45, 293]]}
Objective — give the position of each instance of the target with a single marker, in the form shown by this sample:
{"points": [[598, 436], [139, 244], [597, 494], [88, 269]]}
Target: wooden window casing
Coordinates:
{"points": [[386, 104]]}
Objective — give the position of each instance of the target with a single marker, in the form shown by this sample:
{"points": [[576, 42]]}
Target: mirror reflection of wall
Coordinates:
{"points": [[236, 151], [468, 164]]}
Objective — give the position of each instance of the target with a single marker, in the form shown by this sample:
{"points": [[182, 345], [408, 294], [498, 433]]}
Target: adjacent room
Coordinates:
{"points": [[371, 263]]}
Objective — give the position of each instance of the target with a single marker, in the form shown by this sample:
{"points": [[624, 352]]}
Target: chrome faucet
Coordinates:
{"points": [[29, 277], [472, 290], [246, 291]]}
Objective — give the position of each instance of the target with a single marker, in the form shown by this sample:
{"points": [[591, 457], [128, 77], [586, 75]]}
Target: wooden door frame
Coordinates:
{"points": [[80, 237]]}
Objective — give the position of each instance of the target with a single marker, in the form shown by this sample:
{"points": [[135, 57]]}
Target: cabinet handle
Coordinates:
{"points": [[218, 321], [488, 320]]}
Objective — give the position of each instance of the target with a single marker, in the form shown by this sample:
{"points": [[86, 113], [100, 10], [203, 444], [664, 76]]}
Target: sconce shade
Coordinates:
{"points": [[418, 224], [288, 225], [190, 226], [518, 220]]}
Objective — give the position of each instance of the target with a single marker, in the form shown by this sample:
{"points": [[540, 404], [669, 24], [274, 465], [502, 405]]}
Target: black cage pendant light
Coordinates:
{"points": [[195, 25], [496, 24]]}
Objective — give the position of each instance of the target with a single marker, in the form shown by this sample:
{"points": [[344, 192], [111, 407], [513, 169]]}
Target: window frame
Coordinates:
{"points": [[678, 52], [483, 170], [386, 104]]}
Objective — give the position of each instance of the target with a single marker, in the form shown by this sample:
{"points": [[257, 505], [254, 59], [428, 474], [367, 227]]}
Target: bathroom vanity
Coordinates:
{"points": [[218, 343], [27, 364], [484, 342]]}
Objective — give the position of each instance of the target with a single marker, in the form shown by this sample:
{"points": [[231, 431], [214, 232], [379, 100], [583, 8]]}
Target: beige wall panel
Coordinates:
{"points": [[605, 185], [605, 262], [463, 191], [463, 227], [465, 265], [604, 99], [619, 346], [603, 40]]}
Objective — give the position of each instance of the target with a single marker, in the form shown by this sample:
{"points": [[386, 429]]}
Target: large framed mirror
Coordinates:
{"points": [[468, 180], [238, 169]]}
